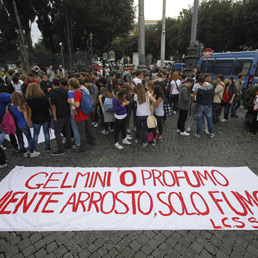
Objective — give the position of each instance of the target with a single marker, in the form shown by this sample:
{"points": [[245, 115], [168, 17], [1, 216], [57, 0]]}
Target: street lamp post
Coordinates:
{"points": [[191, 58], [141, 40], [62, 54], [91, 39], [163, 36]]}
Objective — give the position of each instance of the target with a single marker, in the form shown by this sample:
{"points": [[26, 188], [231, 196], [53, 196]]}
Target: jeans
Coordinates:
{"points": [[253, 126], [36, 129], [173, 99], [2, 135], [160, 124], [236, 104], [216, 111], [59, 125], [206, 111], [141, 121], [26, 131], [226, 110], [75, 132], [193, 111]]}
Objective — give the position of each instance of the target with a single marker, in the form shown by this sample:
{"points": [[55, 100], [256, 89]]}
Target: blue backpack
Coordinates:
{"points": [[86, 102], [108, 105]]}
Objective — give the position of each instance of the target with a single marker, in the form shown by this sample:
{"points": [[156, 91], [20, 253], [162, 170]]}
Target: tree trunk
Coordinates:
{"points": [[24, 49]]}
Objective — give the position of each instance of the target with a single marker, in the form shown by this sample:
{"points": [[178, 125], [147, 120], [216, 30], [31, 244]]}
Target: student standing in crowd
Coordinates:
{"points": [[183, 105], [158, 112], [40, 113], [19, 110], [142, 99], [218, 94], [61, 115], [232, 90], [174, 91], [119, 105]]}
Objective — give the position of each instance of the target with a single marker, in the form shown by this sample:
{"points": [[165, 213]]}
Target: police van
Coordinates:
{"points": [[231, 64]]}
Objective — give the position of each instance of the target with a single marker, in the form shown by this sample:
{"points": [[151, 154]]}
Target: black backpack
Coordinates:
{"points": [[205, 97]]}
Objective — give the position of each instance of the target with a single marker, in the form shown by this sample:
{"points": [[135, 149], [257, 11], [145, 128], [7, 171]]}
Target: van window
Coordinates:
{"points": [[223, 66], [256, 72], [242, 66], [209, 67]]}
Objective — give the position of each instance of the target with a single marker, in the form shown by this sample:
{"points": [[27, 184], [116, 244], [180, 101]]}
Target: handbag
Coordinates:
{"points": [[167, 109], [151, 119]]}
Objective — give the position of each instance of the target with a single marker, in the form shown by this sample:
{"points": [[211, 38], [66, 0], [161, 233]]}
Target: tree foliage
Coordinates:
{"points": [[223, 25]]}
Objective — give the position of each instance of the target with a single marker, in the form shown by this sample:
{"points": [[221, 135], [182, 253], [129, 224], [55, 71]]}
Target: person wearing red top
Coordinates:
{"points": [[83, 124]]}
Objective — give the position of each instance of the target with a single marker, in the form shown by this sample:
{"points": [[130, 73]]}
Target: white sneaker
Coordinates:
{"points": [[96, 125], [2, 147], [206, 131], [188, 129], [118, 146], [128, 130], [93, 123], [26, 154], [174, 112], [136, 140], [184, 133], [144, 145], [3, 165], [128, 137], [178, 131], [223, 120], [105, 132], [125, 141], [34, 154]]}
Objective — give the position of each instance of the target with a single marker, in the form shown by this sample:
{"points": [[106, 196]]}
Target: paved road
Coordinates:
{"points": [[231, 146]]}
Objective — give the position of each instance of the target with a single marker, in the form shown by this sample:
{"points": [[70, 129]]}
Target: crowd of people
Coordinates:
{"points": [[121, 102]]}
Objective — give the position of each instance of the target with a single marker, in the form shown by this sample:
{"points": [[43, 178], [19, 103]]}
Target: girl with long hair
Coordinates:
{"points": [[174, 91], [40, 115], [108, 116], [142, 98], [119, 105], [20, 110], [158, 111]]}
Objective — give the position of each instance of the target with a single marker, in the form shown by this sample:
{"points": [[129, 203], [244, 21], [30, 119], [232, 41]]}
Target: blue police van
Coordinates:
{"points": [[231, 64]]}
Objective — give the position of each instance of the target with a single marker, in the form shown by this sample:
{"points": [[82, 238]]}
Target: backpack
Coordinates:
{"points": [[108, 105], [86, 102], [8, 122], [225, 96], [204, 97]]}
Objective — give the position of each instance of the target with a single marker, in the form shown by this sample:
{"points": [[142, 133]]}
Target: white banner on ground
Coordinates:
{"points": [[40, 139], [136, 198]]}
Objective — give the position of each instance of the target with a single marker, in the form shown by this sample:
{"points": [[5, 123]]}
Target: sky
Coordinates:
{"points": [[152, 11]]}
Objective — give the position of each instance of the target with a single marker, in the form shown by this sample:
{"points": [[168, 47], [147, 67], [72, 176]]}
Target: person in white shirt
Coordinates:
{"points": [[138, 77], [17, 84], [174, 91], [142, 112]]}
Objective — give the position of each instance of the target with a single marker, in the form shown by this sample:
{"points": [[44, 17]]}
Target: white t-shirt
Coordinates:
{"points": [[175, 89], [159, 111], [137, 80], [142, 109], [195, 88], [17, 87]]}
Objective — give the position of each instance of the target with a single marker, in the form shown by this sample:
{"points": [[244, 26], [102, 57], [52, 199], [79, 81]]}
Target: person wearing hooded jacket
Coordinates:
{"points": [[183, 105]]}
